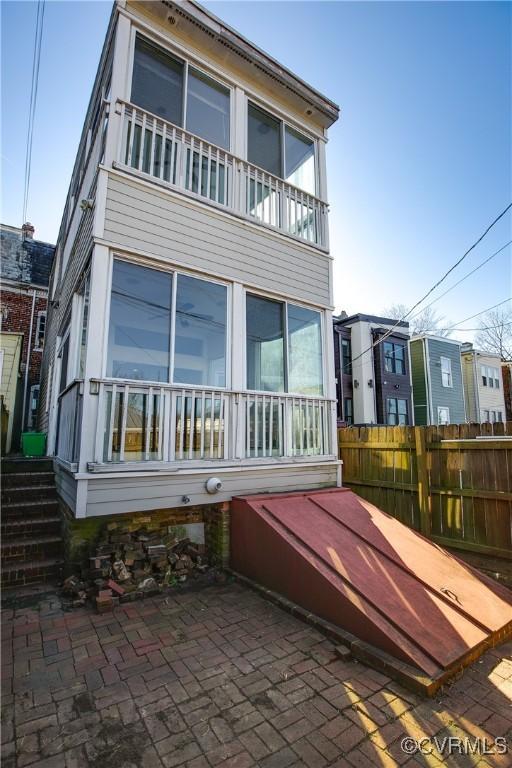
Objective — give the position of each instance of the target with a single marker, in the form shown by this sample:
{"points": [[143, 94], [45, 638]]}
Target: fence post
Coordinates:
{"points": [[423, 481]]}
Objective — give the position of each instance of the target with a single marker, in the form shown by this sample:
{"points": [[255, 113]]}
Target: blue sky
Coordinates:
{"points": [[418, 165]]}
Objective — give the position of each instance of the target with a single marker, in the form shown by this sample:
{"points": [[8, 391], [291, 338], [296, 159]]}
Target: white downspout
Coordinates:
{"points": [[29, 350]]}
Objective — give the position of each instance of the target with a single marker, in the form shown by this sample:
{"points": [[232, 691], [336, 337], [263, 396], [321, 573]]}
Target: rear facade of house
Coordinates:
{"points": [[483, 386], [189, 346], [437, 381]]}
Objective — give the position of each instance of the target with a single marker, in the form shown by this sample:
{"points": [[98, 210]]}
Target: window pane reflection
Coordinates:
{"points": [[265, 344], [200, 344], [299, 161], [207, 109], [157, 83], [304, 351], [140, 321], [264, 137]]}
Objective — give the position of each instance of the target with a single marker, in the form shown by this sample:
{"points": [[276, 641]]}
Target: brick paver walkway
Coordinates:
{"points": [[220, 677]]}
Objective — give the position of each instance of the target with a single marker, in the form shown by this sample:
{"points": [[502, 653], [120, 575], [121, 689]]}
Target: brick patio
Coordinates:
{"points": [[220, 677]]}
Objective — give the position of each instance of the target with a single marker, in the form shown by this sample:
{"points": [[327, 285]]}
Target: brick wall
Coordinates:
{"points": [[16, 314]]}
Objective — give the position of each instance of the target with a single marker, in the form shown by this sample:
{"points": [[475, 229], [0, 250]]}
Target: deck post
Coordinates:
{"points": [[423, 481]]}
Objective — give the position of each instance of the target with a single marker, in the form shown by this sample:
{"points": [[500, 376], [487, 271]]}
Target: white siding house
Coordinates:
{"points": [[483, 385], [189, 333]]}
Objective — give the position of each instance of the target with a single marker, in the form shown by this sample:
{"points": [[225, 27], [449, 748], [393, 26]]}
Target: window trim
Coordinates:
{"points": [[450, 373], [348, 342], [284, 123], [187, 61], [393, 358], [262, 295], [40, 314], [443, 408], [174, 272], [407, 410]]}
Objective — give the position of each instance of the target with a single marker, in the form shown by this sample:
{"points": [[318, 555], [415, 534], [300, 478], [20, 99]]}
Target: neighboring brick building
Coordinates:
{"points": [[24, 276]]}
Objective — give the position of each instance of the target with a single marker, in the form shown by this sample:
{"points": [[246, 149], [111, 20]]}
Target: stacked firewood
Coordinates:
{"points": [[128, 566]]}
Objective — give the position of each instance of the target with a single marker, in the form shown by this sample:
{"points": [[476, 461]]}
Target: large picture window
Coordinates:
{"points": [[141, 319], [284, 347], [280, 150], [202, 106]]}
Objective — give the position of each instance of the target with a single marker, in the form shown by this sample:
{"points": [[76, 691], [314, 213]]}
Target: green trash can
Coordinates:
{"points": [[33, 443]]}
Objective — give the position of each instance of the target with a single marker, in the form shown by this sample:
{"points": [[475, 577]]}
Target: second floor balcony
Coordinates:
{"points": [[176, 158]]}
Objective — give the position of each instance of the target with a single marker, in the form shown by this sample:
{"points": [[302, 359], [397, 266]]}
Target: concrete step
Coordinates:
{"points": [[30, 549], [24, 493], [39, 572], [30, 527]]}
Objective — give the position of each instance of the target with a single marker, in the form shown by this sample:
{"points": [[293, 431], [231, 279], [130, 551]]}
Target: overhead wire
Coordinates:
{"points": [[36, 61]]}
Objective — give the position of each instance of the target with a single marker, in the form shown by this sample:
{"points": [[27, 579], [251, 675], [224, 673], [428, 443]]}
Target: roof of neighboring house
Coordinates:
{"points": [[359, 317], [469, 349], [23, 259], [432, 336]]}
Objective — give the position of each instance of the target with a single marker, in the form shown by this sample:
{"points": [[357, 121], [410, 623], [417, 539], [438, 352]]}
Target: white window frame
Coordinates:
{"points": [[285, 302], [174, 272], [445, 360], [37, 347], [187, 62], [443, 408], [285, 123]]}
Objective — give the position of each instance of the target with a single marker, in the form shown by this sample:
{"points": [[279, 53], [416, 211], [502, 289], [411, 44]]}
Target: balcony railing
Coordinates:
{"points": [[151, 423], [179, 159]]}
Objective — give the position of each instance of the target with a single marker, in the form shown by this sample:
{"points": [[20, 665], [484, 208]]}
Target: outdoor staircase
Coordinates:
{"points": [[32, 547]]}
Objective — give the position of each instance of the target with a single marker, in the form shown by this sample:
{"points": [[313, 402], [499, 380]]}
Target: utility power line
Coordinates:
{"points": [[468, 274], [453, 328], [436, 285], [33, 101], [483, 328]]}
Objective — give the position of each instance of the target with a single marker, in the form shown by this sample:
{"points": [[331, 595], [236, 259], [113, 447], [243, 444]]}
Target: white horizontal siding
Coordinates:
{"points": [[177, 230], [66, 487], [133, 494]]}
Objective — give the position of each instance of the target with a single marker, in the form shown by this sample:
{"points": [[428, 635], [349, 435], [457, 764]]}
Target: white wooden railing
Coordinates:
{"points": [[69, 422], [153, 423], [152, 146]]}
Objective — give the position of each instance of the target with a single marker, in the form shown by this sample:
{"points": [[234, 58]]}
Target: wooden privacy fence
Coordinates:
{"points": [[452, 483]]}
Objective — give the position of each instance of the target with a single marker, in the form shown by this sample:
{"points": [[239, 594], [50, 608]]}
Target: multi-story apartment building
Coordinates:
{"points": [[190, 342], [437, 381], [25, 265], [373, 376], [483, 385]]}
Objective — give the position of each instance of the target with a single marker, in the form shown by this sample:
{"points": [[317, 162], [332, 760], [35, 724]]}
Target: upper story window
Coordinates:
{"points": [[490, 377], [284, 347], [145, 308], [394, 358], [40, 330], [180, 94], [280, 150], [446, 372], [346, 356]]}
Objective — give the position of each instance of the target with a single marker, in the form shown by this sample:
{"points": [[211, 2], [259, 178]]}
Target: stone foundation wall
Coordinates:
{"points": [[82, 535]]}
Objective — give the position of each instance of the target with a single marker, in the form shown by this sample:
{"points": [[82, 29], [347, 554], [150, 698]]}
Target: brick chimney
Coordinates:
{"points": [[27, 231]]}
